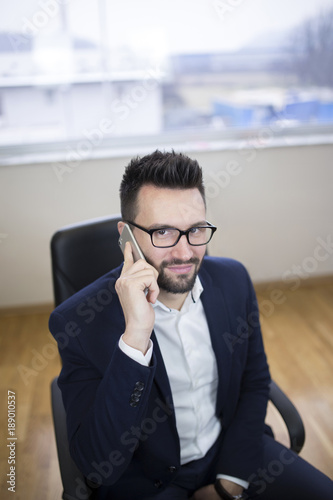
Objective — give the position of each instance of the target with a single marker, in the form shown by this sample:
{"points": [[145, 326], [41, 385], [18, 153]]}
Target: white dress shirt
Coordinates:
{"points": [[184, 340]]}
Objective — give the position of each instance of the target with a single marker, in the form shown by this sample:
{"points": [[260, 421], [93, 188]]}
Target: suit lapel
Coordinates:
{"points": [[161, 376], [218, 322], [161, 380]]}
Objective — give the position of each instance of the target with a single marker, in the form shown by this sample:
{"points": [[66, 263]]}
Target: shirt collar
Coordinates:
{"points": [[192, 298]]}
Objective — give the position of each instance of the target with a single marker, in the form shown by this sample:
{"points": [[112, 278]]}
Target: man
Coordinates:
{"points": [[166, 387]]}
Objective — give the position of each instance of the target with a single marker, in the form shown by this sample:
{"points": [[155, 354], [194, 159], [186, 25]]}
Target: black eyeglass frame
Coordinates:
{"points": [[181, 233]]}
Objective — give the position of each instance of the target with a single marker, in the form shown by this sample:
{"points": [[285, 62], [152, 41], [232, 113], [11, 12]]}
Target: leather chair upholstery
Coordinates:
{"points": [[83, 252]]}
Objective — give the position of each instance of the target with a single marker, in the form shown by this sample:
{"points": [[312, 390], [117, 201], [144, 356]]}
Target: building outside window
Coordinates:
{"points": [[111, 71]]}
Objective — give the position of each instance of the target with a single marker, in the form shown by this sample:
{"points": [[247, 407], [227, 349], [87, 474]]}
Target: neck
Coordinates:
{"points": [[172, 300]]}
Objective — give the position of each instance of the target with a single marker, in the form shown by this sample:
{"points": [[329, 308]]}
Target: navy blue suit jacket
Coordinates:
{"points": [[121, 424]]}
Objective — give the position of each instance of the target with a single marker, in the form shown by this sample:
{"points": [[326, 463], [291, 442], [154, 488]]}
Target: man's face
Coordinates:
{"points": [[178, 266]]}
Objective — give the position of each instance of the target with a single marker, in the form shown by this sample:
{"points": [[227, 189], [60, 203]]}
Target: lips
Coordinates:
{"points": [[180, 269]]}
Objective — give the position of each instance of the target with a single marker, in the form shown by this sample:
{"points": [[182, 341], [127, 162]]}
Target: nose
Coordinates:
{"points": [[183, 250]]}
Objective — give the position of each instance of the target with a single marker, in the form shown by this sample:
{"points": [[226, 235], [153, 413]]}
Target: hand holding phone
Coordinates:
{"points": [[137, 276]]}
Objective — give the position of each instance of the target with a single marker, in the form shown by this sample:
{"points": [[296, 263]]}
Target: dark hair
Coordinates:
{"points": [[165, 170]]}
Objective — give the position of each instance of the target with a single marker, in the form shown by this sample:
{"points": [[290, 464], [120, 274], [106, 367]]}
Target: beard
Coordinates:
{"points": [[181, 283]]}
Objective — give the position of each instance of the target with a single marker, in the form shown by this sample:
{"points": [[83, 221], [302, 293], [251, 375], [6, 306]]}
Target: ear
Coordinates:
{"points": [[120, 226]]}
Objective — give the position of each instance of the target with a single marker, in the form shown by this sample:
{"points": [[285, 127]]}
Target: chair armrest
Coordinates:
{"points": [[290, 416]]}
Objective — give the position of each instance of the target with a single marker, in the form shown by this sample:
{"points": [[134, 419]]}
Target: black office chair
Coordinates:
{"points": [[80, 254], [83, 252]]}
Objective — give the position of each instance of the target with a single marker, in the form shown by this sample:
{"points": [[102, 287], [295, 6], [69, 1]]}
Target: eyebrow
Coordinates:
{"points": [[165, 226]]}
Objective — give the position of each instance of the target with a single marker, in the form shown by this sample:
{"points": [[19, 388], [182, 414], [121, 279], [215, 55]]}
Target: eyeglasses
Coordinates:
{"points": [[166, 237]]}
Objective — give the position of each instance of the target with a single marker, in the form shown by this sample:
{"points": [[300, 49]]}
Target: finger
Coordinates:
{"points": [[137, 268], [145, 279], [153, 292], [128, 257], [149, 279]]}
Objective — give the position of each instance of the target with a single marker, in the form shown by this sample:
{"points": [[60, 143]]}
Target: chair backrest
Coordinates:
{"points": [[74, 484], [80, 254], [90, 246]]}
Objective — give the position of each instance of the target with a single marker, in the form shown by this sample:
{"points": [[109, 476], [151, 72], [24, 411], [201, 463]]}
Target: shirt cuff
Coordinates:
{"points": [[241, 482], [135, 354]]}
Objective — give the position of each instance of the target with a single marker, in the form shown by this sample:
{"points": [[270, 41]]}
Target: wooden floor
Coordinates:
{"points": [[298, 335]]}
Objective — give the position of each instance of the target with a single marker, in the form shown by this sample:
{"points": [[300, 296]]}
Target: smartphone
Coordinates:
{"points": [[127, 235]]}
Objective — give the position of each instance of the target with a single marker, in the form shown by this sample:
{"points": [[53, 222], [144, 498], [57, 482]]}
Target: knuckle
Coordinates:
{"points": [[117, 285]]}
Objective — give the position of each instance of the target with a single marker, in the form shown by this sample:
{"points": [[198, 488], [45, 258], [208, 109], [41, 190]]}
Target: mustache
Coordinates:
{"points": [[179, 262]]}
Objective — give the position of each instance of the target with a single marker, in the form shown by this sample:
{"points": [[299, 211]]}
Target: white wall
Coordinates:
{"points": [[269, 210]]}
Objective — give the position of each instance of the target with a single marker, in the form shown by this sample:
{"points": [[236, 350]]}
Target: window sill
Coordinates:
{"points": [[80, 150]]}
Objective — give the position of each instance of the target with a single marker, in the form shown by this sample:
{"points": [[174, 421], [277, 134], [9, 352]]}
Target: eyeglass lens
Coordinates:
{"points": [[167, 236]]}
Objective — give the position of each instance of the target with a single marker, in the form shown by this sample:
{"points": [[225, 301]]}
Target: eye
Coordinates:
{"points": [[162, 233]]}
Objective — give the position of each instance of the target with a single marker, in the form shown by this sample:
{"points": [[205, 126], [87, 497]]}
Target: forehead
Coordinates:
{"points": [[176, 207]]}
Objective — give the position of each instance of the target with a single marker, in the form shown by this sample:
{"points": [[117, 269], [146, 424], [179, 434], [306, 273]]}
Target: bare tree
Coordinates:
{"points": [[312, 50]]}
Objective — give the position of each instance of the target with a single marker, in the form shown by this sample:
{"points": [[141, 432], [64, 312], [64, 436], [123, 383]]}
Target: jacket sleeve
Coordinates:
{"points": [[101, 406], [242, 449]]}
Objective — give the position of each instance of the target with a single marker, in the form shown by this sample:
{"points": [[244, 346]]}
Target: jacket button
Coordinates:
{"points": [[158, 483], [139, 386], [133, 403], [172, 469]]}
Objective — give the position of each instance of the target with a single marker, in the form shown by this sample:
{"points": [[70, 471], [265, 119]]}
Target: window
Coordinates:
{"points": [[108, 71]]}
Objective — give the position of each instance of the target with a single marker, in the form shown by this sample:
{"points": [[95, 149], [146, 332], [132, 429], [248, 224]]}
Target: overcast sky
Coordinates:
{"points": [[167, 26]]}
